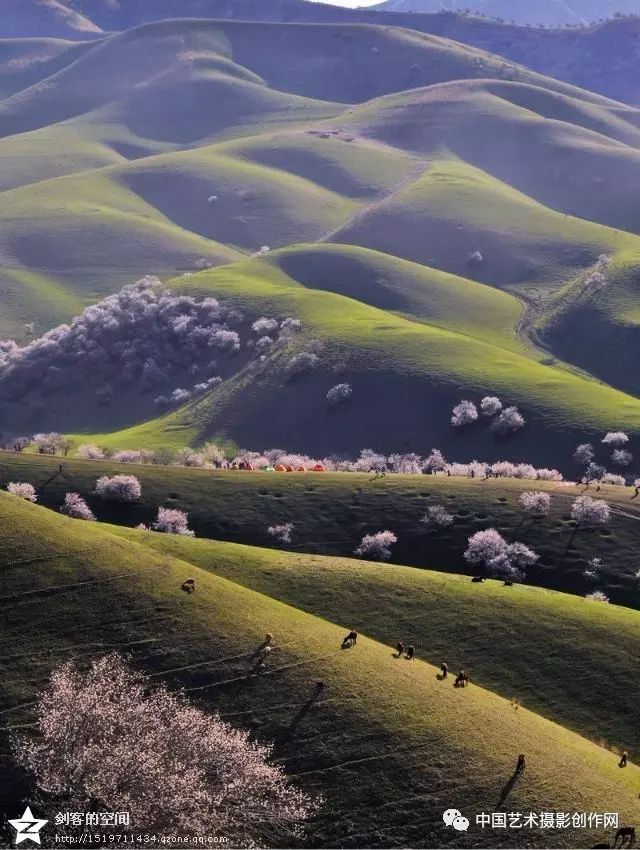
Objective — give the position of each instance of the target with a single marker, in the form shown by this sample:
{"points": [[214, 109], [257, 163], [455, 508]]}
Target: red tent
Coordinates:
{"points": [[318, 468]]}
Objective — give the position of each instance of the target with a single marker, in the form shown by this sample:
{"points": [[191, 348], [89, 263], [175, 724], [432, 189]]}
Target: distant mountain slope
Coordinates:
{"points": [[579, 56], [549, 13], [45, 18]]}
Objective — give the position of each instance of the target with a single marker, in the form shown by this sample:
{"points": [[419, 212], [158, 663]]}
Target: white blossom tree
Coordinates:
{"points": [[437, 516], [75, 507], [464, 413], [282, 533], [88, 451], [23, 490], [597, 596], [119, 488], [584, 453], [490, 405], [536, 504], [621, 457], [107, 737], [339, 394], [376, 547], [617, 439], [509, 421]]}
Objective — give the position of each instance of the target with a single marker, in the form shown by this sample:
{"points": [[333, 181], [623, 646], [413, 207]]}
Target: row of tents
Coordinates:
{"points": [[248, 467]]}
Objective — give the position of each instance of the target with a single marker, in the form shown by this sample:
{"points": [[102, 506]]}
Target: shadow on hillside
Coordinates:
{"points": [[302, 712], [508, 788]]}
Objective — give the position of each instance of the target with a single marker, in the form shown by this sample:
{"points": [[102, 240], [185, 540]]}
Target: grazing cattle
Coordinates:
{"points": [[189, 585], [625, 833]]}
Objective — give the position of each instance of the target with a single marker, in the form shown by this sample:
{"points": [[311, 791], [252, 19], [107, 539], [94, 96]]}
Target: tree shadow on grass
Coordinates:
{"points": [[508, 788]]}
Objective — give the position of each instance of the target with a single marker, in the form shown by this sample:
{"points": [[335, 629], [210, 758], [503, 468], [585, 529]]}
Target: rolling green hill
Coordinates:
{"points": [[359, 756], [332, 512], [190, 143]]}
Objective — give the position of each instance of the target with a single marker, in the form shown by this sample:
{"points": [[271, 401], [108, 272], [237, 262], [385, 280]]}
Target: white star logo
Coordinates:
{"points": [[27, 827]]}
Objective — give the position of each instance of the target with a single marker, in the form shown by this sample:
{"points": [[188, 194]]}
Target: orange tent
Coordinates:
{"points": [[318, 468], [290, 469], [280, 468], [302, 469]]}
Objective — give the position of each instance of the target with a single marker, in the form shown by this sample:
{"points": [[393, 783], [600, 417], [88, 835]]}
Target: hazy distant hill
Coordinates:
{"points": [[50, 18], [550, 13]]}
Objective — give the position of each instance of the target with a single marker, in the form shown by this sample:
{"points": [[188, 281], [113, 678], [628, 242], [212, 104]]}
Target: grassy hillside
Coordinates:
{"points": [[563, 150], [358, 757], [397, 366], [188, 143], [45, 18], [332, 512], [514, 642]]}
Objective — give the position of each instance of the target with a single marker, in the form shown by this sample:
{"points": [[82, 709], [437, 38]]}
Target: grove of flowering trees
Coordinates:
{"points": [[108, 738], [505, 420], [142, 335]]}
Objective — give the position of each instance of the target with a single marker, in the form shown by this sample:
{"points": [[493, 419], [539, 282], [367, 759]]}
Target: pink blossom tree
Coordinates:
{"points": [[501, 559], [75, 507], [172, 521], [376, 547], [23, 490], [435, 462], [536, 504], [590, 513], [119, 488], [107, 737], [89, 451]]}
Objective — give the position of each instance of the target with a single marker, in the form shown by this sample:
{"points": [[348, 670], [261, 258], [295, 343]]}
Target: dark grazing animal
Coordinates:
{"points": [[189, 585], [625, 833]]}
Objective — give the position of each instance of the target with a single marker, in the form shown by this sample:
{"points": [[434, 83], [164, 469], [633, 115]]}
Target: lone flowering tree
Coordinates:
{"points": [[172, 521], [464, 413], [75, 507], [376, 547], [536, 504], [119, 488], [505, 560], [23, 490], [106, 738]]}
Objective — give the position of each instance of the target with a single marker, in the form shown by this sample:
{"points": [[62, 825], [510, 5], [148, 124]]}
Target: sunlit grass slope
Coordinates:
{"points": [[514, 641], [354, 742], [406, 376]]}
